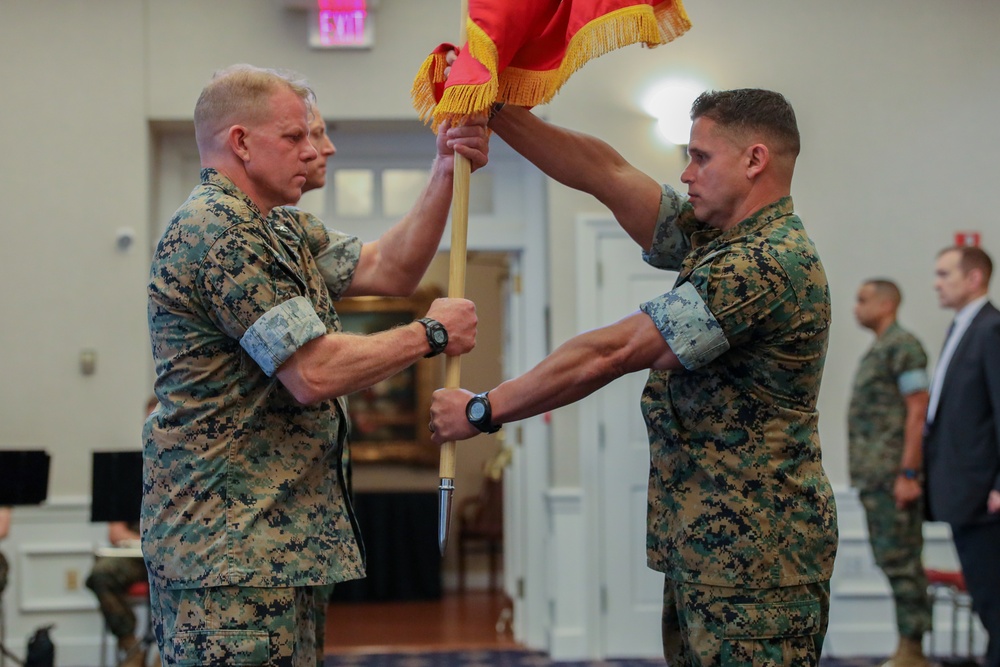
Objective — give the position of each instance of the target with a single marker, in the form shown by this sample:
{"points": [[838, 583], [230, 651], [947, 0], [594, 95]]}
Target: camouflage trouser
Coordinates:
{"points": [[897, 542], [711, 626], [110, 580], [3, 573], [232, 625], [323, 594]]}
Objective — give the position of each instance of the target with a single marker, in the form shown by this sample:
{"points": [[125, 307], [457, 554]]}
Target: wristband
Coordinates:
{"points": [[495, 109]]}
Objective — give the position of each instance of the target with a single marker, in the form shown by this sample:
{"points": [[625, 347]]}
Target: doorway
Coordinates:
{"points": [[626, 619]]}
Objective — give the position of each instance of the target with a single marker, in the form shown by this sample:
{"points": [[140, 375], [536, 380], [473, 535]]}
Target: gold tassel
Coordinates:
{"points": [[604, 34], [651, 26], [460, 101], [430, 73]]}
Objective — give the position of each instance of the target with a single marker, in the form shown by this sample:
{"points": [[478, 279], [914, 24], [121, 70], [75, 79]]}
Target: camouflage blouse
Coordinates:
{"points": [[737, 492], [893, 367], [242, 485]]}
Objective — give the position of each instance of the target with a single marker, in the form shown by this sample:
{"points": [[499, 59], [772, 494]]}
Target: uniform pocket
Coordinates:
{"points": [[219, 647], [778, 633]]}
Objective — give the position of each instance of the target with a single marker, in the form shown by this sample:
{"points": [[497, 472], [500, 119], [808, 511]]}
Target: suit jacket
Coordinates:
{"points": [[962, 446]]}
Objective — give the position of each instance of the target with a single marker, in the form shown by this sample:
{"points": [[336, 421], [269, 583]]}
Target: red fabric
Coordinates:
{"points": [[139, 589], [522, 51], [946, 577]]}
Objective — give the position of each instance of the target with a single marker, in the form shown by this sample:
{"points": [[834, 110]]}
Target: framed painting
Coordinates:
{"points": [[389, 419]]}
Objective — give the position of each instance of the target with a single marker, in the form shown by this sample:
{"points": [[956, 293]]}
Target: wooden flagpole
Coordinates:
{"points": [[456, 289]]}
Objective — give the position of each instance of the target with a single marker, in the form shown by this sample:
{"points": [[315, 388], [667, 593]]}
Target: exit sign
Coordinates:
{"points": [[341, 24], [968, 238]]}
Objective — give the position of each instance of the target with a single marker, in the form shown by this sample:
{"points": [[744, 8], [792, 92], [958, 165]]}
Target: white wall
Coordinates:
{"points": [[897, 103], [896, 100], [73, 154]]}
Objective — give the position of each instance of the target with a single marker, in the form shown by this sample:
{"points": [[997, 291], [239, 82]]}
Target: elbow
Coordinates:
{"points": [[398, 284], [406, 283], [306, 396], [604, 370], [305, 389], [408, 289]]}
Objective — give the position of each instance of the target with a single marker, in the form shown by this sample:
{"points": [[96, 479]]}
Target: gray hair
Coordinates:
{"points": [[239, 94]]}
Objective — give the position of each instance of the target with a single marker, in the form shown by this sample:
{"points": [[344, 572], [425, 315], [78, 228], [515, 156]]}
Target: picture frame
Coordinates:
{"points": [[389, 419]]}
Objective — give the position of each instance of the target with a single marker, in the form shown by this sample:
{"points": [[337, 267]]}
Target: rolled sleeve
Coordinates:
{"points": [[670, 243], [687, 326], [338, 261], [913, 381], [336, 254], [279, 332]]}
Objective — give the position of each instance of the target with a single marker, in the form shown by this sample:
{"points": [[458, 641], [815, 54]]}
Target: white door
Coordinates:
{"points": [[633, 594]]}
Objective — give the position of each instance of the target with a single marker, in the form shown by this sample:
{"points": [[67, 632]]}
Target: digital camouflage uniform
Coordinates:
{"points": [[244, 504], [110, 580], [894, 366], [741, 516]]}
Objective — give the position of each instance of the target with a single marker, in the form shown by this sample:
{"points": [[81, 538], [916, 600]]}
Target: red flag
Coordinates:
{"points": [[522, 51]]}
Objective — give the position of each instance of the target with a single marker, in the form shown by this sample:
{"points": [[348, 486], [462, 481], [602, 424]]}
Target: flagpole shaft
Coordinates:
{"points": [[456, 284], [456, 289]]}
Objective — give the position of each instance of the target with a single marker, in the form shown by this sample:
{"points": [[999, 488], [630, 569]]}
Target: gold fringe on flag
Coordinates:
{"points": [[650, 25]]}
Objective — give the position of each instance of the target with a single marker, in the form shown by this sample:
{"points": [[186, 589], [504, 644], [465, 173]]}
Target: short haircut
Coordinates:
{"points": [[239, 95], [886, 289], [972, 257], [747, 111]]}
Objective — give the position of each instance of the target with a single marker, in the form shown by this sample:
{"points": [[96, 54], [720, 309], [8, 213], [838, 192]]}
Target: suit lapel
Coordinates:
{"points": [[962, 351]]}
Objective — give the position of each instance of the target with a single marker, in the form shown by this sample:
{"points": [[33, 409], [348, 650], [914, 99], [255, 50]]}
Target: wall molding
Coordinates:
{"points": [[862, 617], [567, 632]]}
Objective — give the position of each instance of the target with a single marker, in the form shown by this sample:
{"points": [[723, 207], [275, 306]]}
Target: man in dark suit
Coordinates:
{"points": [[962, 438]]}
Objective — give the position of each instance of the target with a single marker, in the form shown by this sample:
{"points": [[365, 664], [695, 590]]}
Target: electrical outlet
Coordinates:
{"points": [[72, 580]]}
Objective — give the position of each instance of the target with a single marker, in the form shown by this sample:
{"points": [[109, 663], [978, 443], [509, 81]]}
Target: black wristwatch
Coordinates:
{"points": [[480, 414], [437, 336]]}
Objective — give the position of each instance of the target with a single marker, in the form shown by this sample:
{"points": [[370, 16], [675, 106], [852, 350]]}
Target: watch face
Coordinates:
{"points": [[439, 337], [477, 411]]}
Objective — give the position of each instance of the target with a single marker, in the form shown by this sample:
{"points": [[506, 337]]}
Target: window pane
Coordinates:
{"points": [[481, 193], [400, 188], [354, 192]]}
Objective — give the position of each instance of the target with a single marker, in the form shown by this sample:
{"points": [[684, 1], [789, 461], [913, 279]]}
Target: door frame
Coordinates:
{"points": [[589, 230]]}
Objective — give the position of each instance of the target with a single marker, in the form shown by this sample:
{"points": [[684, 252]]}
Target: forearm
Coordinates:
{"points": [[118, 532], [581, 366], [574, 159], [569, 374], [907, 487], [395, 263], [912, 458], [584, 163], [339, 364]]}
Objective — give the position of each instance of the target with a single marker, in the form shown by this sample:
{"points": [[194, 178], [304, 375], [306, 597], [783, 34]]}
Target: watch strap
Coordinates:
{"points": [[430, 326], [484, 424]]}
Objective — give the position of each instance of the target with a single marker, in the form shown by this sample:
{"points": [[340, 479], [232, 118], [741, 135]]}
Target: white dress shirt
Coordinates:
{"points": [[959, 325]]}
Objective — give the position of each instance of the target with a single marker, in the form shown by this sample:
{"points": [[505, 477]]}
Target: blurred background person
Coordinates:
{"points": [[885, 425]]}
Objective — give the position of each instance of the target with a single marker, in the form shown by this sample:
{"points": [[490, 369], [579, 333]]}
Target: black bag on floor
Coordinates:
{"points": [[41, 651]]}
